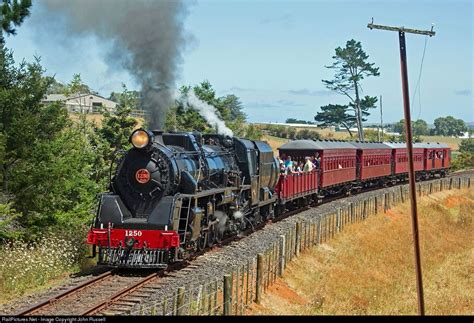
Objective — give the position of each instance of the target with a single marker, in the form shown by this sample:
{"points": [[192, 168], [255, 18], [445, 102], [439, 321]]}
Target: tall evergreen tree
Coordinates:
{"points": [[117, 127], [336, 115], [12, 13], [351, 67]]}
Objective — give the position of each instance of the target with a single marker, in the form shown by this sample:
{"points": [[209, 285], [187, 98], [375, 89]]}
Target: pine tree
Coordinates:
{"points": [[351, 67], [12, 13]]}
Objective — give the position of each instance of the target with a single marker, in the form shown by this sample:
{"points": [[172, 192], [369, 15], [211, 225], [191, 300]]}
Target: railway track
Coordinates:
{"points": [[116, 293], [98, 291]]}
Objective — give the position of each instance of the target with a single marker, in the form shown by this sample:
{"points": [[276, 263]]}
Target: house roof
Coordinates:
{"points": [[316, 145], [55, 97], [62, 97]]}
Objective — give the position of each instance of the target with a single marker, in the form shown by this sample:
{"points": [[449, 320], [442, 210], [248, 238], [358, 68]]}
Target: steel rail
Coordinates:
{"points": [[119, 295], [70, 291]]}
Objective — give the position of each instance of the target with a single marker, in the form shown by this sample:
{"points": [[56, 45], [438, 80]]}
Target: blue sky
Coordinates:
{"points": [[272, 54]]}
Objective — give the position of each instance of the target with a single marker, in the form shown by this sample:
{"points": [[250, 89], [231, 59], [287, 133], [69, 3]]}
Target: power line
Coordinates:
{"points": [[417, 87]]}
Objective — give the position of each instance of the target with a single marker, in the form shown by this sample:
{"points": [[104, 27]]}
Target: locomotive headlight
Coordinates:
{"points": [[140, 138]]}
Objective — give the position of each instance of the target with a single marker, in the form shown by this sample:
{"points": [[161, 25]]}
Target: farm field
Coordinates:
{"points": [[369, 268], [274, 142]]}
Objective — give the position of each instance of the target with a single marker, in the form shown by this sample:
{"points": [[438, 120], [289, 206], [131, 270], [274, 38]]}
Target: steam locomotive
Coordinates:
{"points": [[174, 194]]}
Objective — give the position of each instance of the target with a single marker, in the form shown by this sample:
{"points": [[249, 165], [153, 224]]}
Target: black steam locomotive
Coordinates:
{"points": [[175, 193]]}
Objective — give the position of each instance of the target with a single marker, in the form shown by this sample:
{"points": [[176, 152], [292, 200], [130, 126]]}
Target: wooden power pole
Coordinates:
{"points": [[411, 172], [381, 121]]}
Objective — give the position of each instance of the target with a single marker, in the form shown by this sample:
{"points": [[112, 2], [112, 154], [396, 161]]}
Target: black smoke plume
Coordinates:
{"points": [[148, 40]]}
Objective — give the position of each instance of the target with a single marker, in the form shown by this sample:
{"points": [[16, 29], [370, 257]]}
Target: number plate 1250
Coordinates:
{"points": [[133, 233]]}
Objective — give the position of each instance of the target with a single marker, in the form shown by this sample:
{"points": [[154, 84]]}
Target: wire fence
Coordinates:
{"points": [[234, 292]]}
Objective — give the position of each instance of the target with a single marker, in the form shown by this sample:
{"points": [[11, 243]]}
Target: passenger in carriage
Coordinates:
{"points": [[298, 169], [308, 166], [282, 168], [288, 163], [316, 161], [281, 165]]}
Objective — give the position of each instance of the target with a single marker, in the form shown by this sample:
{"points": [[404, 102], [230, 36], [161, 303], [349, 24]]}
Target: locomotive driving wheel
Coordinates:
{"points": [[202, 241], [211, 237]]}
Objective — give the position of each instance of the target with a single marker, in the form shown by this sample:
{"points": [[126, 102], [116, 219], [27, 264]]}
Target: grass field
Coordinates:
{"points": [[369, 268], [97, 118], [274, 142]]}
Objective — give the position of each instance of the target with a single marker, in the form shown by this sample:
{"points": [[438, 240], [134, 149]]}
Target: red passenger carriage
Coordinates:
{"points": [[337, 161], [436, 156], [400, 158], [373, 161]]}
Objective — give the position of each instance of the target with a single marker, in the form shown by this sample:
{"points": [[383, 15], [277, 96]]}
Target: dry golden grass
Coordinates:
{"points": [[97, 118], [274, 142], [369, 268], [327, 133]]}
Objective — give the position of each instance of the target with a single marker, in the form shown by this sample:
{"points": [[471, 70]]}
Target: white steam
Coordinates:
{"points": [[208, 112], [222, 217], [238, 215]]}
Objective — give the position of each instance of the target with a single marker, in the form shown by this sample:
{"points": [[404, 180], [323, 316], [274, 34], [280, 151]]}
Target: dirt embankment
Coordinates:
{"points": [[369, 268]]}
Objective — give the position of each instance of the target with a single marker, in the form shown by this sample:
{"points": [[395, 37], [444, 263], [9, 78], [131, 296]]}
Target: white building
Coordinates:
{"points": [[82, 103]]}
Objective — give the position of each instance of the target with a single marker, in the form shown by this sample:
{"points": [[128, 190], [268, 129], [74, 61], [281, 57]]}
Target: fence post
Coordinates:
{"points": [[303, 236], [165, 306], [308, 235], [216, 291], [319, 229], [247, 282], [298, 238], [209, 299], [364, 210], [235, 287], [268, 269], [258, 285], [227, 294], [242, 298], [451, 183], [282, 256], [351, 212], [469, 182], [199, 300], [180, 301]]}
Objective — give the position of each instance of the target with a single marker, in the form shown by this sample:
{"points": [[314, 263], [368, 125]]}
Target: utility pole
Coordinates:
{"points": [[408, 132], [381, 120]]}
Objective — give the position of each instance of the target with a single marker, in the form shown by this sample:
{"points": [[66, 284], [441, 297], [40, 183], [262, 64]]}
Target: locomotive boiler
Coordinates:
{"points": [[175, 193]]}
